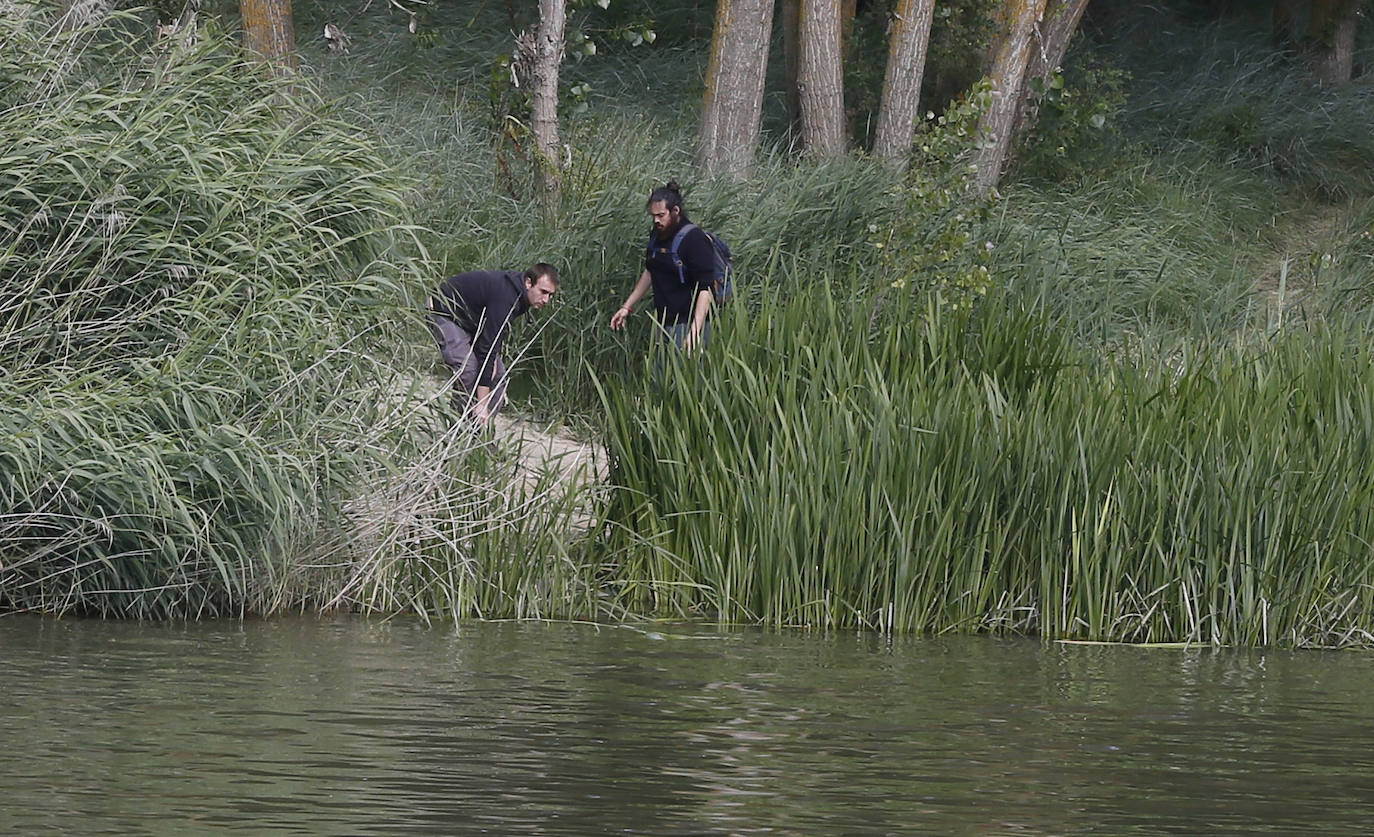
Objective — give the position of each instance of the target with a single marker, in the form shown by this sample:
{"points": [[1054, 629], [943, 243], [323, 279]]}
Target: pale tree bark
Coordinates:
{"points": [[1011, 56], [545, 58], [732, 106], [906, 62], [269, 33], [791, 53], [1330, 39], [791, 60], [820, 79], [1049, 45]]}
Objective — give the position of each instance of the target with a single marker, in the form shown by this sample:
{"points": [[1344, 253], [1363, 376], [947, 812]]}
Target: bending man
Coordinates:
{"points": [[469, 317], [682, 298]]}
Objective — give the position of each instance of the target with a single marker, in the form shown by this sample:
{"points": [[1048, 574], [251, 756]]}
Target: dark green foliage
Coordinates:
{"points": [[1222, 86], [1079, 115], [935, 240]]}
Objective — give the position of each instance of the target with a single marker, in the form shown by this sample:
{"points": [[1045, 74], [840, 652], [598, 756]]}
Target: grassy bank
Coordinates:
{"points": [[1126, 400]]}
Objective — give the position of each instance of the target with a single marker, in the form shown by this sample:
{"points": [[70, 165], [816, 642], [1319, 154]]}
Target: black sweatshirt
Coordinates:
{"points": [[674, 299], [482, 303]]}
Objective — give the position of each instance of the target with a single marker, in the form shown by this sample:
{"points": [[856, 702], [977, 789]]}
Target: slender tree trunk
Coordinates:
{"points": [[546, 59], [1331, 39], [269, 33], [791, 60], [906, 61], [820, 79], [1050, 44], [1008, 71], [1285, 24], [733, 103]]}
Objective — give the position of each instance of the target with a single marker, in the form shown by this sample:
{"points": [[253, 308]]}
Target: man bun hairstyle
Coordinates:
{"points": [[670, 194], [542, 269]]}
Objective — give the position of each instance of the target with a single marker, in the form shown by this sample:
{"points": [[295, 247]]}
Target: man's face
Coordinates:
{"points": [[665, 219], [539, 291]]}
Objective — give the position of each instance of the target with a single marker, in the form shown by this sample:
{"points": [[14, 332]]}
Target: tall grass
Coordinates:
{"points": [[217, 391], [199, 276], [965, 471], [1225, 88], [1338, 265], [1168, 248]]}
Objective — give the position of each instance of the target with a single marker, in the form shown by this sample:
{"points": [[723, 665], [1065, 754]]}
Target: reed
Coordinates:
{"points": [[971, 471], [198, 299]]}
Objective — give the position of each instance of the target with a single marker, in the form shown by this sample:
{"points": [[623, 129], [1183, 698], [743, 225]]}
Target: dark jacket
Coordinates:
{"points": [[674, 298], [483, 303]]}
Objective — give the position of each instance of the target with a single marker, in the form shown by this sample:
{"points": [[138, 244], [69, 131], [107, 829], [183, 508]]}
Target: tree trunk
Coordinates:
{"points": [[545, 62], [1331, 39], [1019, 19], [733, 103], [791, 61], [820, 79], [1051, 42], [268, 33], [1285, 24], [906, 61]]}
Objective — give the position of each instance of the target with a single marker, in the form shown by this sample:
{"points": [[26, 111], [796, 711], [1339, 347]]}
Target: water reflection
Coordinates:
{"points": [[345, 726]]}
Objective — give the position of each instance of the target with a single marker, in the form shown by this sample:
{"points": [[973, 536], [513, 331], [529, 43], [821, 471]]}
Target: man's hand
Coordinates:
{"points": [[700, 311], [481, 408], [623, 312]]}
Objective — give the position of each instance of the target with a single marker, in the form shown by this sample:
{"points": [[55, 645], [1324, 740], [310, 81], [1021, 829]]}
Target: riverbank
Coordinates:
{"points": [[1078, 410]]}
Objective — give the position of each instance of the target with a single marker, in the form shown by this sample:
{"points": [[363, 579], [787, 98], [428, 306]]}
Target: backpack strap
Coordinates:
{"points": [[672, 250]]}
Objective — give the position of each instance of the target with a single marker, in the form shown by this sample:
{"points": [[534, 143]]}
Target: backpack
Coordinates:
{"points": [[722, 277]]}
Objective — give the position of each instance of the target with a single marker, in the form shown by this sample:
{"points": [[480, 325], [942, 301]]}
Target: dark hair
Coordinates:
{"points": [[670, 194], [543, 269]]}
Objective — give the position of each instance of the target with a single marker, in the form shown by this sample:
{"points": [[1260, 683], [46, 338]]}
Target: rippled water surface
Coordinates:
{"points": [[346, 726]]}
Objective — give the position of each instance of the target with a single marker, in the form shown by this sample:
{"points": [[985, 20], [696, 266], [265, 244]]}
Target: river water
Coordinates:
{"points": [[353, 727]]}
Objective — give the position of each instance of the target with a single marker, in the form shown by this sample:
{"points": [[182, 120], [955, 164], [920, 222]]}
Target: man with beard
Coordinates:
{"points": [[469, 317], [682, 296]]}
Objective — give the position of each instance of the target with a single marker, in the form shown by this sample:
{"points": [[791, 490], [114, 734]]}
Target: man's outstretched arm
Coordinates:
{"points": [[623, 312]]}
